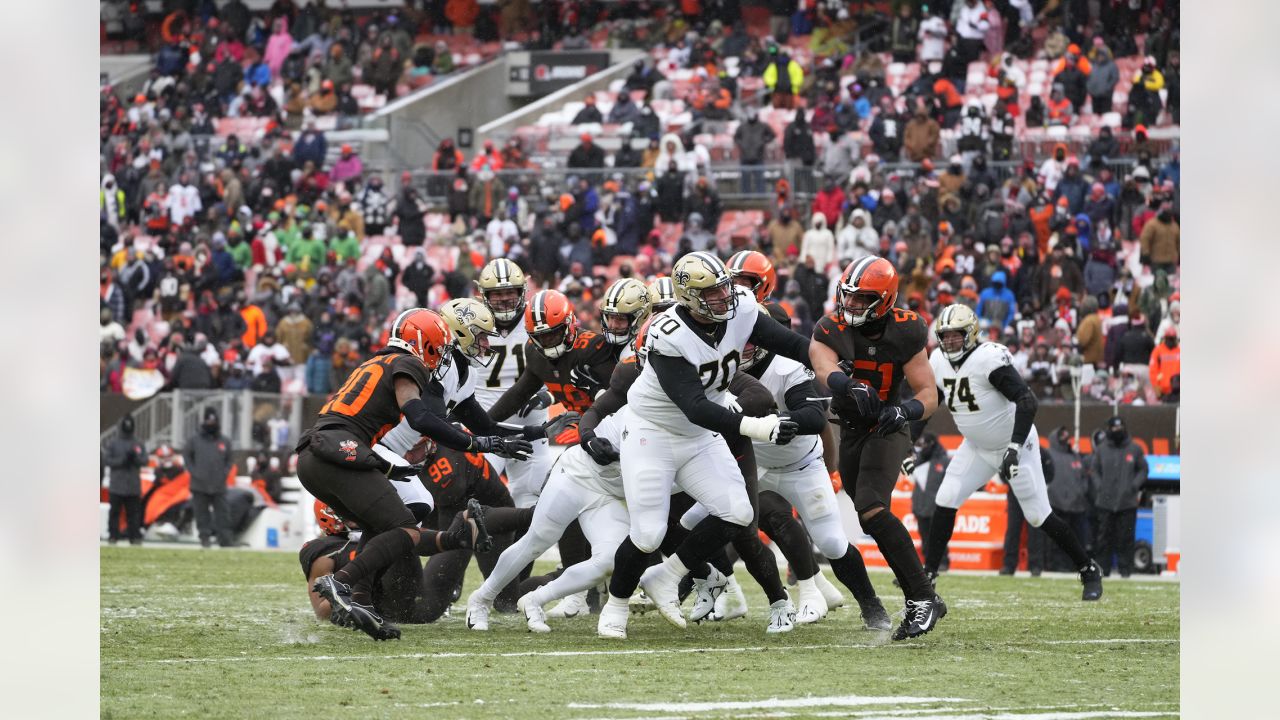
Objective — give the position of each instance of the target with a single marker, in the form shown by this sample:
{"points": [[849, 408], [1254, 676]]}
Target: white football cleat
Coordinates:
{"points": [[706, 593], [613, 620], [640, 603], [663, 587], [732, 603], [813, 607], [782, 617], [830, 592], [534, 616], [571, 606], [477, 613]]}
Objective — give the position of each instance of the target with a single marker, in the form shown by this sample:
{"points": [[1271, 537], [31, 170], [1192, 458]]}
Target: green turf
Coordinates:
{"points": [[229, 634]]}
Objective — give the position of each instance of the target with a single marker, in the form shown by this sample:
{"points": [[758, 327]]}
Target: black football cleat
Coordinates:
{"points": [[365, 619], [921, 616], [874, 616], [1091, 578], [338, 594], [475, 511]]}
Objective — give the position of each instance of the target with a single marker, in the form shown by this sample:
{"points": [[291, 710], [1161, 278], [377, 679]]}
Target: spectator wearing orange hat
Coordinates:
{"points": [[1056, 274], [347, 167], [1072, 70], [587, 154], [325, 101]]}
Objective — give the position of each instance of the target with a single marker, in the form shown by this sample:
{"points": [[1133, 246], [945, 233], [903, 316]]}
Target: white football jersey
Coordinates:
{"points": [[506, 364], [402, 437], [604, 479], [782, 375], [983, 415], [717, 363]]}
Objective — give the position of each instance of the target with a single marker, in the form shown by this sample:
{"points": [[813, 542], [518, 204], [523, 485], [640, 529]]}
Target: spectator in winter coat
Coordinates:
{"points": [[829, 201], [418, 276], [786, 235], [207, 457], [1166, 366], [1098, 205], [857, 239], [1089, 335], [1118, 470], [624, 110], [1058, 272], [1068, 495], [587, 154], [589, 114], [311, 145], [1072, 187], [797, 141], [886, 130], [921, 136], [818, 243], [997, 303], [1161, 241], [1101, 84], [125, 455], [783, 77]]}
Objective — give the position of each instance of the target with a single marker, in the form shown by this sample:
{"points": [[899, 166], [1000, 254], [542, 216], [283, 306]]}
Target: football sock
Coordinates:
{"points": [[501, 520], [1056, 528], [704, 539], [628, 565], [574, 547], [786, 532], [896, 546], [851, 571], [760, 561], [379, 552], [944, 522]]}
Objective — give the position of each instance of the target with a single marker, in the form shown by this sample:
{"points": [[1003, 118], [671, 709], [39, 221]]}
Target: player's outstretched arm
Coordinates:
{"points": [[771, 335], [680, 380], [826, 368], [515, 396], [430, 422], [1011, 385], [804, 410], [612, 399]]}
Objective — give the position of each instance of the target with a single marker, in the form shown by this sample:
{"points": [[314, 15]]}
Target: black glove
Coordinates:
{"points": [[558, 424], [584, 380], [787, 429], [600, 449], [541, 400], [1009, 464], [403, 472], [865, 399], [515, 448], [892, 419]]}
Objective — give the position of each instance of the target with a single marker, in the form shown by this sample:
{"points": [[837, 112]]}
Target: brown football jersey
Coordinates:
{"points": [[366, 403], [878, 363]]}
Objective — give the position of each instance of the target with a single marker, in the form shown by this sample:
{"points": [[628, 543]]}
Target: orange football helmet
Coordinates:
{"points": [[330, 523], [426, 336], [752, 270], [867, 291], [551, 323]]}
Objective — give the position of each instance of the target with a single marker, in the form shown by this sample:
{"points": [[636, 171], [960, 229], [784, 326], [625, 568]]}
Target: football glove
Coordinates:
{"points": [[515, 448], [909, 465], [584, 380], [403, 472], [541, 400], [600, 449], [563, 428], [777, 429], [892, 419], [1009, 464], [865, 399]]}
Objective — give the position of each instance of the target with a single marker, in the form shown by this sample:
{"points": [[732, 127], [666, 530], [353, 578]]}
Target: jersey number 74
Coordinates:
{"points": [[958, 389]]}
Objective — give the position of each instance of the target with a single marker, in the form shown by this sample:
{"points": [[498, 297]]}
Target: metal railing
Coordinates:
{"points": [[173, 418], [735, 183]]}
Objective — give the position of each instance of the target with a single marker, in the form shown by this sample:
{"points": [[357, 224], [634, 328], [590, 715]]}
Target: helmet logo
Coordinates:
{"points": [[681, 277], [466, 314]]}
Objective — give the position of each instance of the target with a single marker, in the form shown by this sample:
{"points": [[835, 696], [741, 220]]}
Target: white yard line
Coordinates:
{"points": [[769, 703]]}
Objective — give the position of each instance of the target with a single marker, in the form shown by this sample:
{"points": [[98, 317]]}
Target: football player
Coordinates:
{"points": [[797, 472], [337, 465], [753, 270], [995, 412], [674, 418], [662, 294], [862, 352], [626, 306], [325, 555], [501, 285]]}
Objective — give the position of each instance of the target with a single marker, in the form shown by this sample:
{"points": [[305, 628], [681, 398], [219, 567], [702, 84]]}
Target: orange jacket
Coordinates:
{"points": [[1165, 364], [1040, 218], [1082, 64], [255, 325], [1059, 109]]}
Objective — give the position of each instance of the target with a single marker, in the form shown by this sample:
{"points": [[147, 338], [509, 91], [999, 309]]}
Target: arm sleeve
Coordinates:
{"points": [[473, 415], [808, 414], [624, 374], [430, 422], [680, 381], [1011, 385], [523, 389], [1046, 463], [771, 335]]}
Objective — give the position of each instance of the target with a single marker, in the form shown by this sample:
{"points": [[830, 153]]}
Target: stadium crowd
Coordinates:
{"points": [[274, 263]]}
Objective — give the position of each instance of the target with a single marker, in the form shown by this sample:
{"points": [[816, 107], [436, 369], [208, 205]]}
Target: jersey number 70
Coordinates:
{"points": [[958, 389]]}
